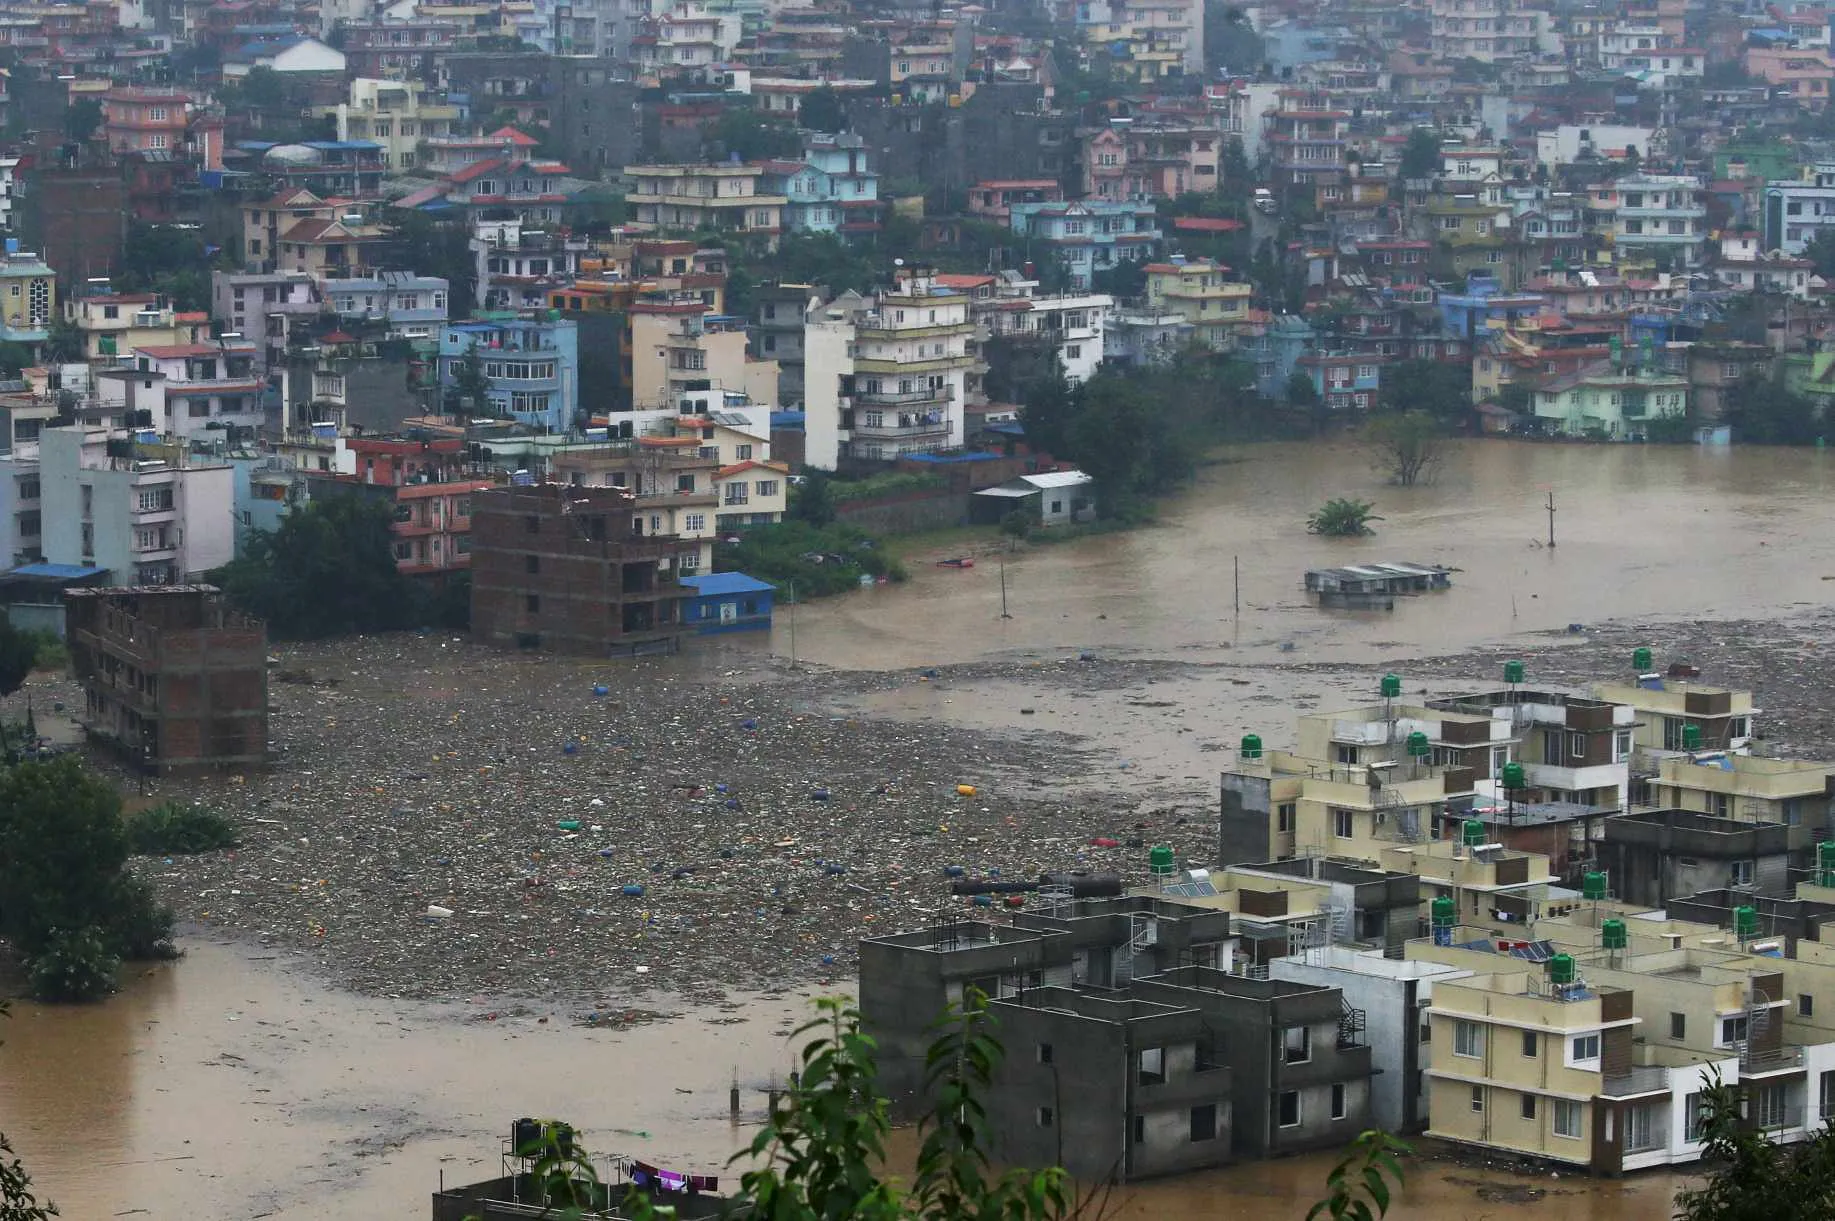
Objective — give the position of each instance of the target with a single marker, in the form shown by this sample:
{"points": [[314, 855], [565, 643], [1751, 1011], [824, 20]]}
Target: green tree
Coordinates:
{"points": [[262, 89], [1407, 445], [1753, 1177], [1017, 525], [437, 248], [1421, 154], [1821, 252], [470, 386], [822, 110], [1442, 390], [1342, 518], [1236, 177], [1047, 406], [328, 570], [166, 259], [813, 501], [1300, 391], [1017, 365], [744, 133], [1125, 279], [1761, 411], [82, 118], [62, 852], [64, 344], [1359, 1187]]}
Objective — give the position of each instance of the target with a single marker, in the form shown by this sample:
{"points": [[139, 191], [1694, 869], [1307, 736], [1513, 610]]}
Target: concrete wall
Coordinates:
{"points": [[1085, 1086], [925, 510], [1243, 827]]}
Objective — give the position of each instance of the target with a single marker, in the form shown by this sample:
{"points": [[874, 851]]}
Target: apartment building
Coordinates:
{"points": [[1665, 707], [115, 324], [1661, 216], [1607, 400], [149, 514], [1009, 304], [187, 390], [266, 308], [571, 570], [1653, 856], [829, 189], [679, 348], [28, 297], [1304, 137], [728, 199], [428, 488], [1747, 788], [413, 306], [529, 366], [1204, 294], [396, 114], [174, 679], [1489, 31], [145, 118], [1150, 157], [1793, 212], [1089, 235], [886, 378]]}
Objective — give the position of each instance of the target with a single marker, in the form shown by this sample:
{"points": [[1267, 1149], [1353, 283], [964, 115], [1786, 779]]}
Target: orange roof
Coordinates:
{"points": [[669, 442], [782, 468], [961, 281]]}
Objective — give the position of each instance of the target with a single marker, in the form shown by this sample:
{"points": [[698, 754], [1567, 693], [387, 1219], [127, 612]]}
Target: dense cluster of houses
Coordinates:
{"points": [[1533, 921]]}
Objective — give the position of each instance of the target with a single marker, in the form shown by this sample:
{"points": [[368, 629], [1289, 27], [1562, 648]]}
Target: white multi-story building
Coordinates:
{"points": [[1661, 214], [1489, 31], [1795, 212], [395, 114], [200, 390], [150, 515], [886, 378]]}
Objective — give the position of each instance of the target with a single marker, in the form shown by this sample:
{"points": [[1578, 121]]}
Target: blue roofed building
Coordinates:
{"points": [[727, 602], [1090, 235], [531, 368], [1484, 305], [1277, 351]]}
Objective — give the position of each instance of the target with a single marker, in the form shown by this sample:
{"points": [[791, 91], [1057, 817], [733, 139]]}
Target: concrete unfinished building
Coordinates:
{"points": [[1132, 1049], [172, 677], [570, 570]]}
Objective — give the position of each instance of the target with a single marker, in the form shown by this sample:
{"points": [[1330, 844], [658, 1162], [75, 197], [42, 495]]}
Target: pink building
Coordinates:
{"points": [[429, 494], [1806, 74], [145, 118]]}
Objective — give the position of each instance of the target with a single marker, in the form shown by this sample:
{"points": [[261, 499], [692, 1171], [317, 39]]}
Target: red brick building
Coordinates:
{"points": [[569, 570], [172, 677]]}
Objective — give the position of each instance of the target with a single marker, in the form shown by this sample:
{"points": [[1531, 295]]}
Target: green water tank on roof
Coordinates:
{"points": [[1251, 746], [1514, 671], [1391, 686]]}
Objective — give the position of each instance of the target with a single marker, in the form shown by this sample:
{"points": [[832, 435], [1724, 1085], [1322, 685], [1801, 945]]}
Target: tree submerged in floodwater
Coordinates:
{"points": [[1342, 517]]}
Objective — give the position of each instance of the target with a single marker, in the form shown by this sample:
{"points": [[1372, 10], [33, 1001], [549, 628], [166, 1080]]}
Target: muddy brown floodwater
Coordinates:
{"points": [[236, 1084]]}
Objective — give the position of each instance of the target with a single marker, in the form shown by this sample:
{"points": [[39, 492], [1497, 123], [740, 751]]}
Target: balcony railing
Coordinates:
{"points": [[905, 426], [1644, 1079], [1754, 1060], [905, 398]]}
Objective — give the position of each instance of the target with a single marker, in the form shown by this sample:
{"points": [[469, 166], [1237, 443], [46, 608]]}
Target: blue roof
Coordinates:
{"points": [[972, 456], [1008, 428], [61, 572], [787, 419], [727, 583], [333, 145]]}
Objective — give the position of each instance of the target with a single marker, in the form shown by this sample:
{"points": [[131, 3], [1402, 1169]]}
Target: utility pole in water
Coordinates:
{"points": [[1003, 589], [793, 625], [1551, 518]]}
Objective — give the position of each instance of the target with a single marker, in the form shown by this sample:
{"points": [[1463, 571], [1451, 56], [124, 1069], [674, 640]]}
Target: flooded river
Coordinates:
{"points": [[233, 1086], [1667, 531]]}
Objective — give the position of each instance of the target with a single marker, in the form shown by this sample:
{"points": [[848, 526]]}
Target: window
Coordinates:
{"points": [[1289, 1109], [1672, 732], [1769, 1107], [1073, 351], [1806, 1004], [1678, 1026], [1732, 1030], [532, 603], [1343, 823], [1045, 1117], [1739, 873], [1827, 1095], [1468, 1039], [1529, 1106], [694, 523], [1621, 745], [532, 563], [1338, 1100], [1567, 1119], [1298, 1044], [1478, 1099], [1285, 816], [1551, 746], [1586, 1047], [1044, 1053], [1532, 1044], [767, 487], [742, 453], [1577, 746], [1695, 1120], [1153, 1066], [1365, 372], [1347, 755], [1140, 1129], [1204, 1122]]}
